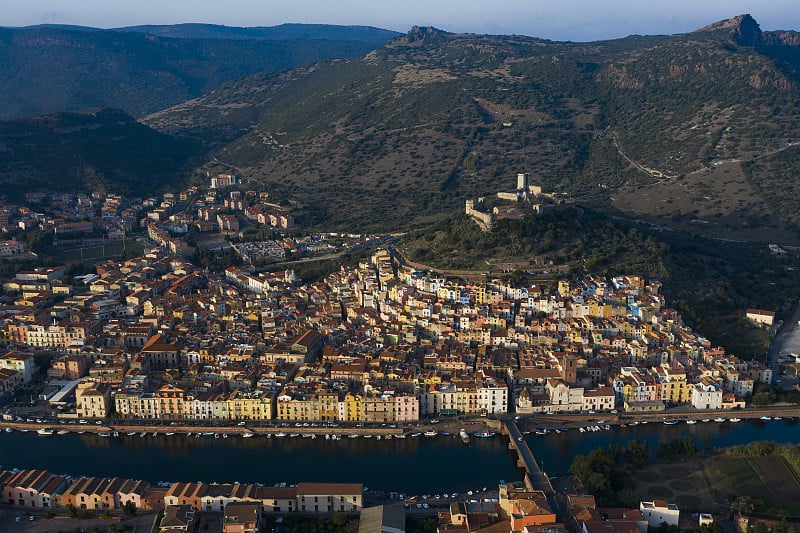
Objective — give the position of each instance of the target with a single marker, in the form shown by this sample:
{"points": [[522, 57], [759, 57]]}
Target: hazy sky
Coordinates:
{"points": [[578, 20]]}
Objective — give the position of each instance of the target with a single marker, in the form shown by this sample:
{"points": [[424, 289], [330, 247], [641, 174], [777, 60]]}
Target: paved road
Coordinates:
{"points": [[142, 523], [786, 341]]}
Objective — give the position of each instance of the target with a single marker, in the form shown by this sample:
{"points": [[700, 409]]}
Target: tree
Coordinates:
{"points": [[129, 509], [760, 399]]}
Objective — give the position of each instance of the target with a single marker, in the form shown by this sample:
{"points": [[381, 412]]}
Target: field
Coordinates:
{"points": [[96, 252], [709, 484]]}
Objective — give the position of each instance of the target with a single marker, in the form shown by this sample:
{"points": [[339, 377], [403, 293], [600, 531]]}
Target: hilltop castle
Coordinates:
{"points": [[527, 198]]}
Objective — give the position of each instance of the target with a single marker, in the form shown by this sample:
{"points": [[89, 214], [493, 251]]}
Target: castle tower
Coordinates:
{"points": [[470, 205], [523, 181]]}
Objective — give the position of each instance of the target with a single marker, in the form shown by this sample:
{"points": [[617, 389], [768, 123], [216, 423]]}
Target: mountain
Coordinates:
{"points": [[52, 68], [103, 149], [658, 126], [282, 32]]}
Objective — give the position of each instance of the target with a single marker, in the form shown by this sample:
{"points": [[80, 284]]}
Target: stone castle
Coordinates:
{"points": [[527, 198]]}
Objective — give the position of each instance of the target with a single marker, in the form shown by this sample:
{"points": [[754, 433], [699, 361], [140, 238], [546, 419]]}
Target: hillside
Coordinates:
{"points": [[52, 68], [98, 150], [326, 32], [647, 125]]}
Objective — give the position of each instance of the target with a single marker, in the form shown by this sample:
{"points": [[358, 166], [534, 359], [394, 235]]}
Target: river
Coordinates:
{"points": [[413, 465]]}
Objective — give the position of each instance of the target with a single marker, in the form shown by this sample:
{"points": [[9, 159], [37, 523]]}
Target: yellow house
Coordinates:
{"points": [[352, 407]]}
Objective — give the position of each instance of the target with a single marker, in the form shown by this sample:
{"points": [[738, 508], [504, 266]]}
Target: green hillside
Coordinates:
{"points": [[99, 150], [431, 118], [51, 68]]}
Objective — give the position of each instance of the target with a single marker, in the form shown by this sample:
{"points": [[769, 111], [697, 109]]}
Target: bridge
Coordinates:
{"points": [[535, 478]]}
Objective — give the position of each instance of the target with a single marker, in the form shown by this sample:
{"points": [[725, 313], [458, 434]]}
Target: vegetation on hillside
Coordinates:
{"points": [[52, 68], [430, 119], [82, 152]]}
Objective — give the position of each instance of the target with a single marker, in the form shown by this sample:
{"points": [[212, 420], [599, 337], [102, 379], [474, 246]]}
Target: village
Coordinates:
{"points": [[378, 346]]}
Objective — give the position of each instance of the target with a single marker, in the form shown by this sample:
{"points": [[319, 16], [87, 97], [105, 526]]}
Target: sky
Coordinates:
{"points": [[575, 20]]}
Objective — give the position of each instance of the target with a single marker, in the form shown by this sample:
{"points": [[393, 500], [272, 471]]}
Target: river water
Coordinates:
{"points": [[413, 465]]}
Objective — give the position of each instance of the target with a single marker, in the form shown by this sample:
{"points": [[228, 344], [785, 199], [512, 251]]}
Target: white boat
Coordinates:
{"points": [[169, 433], [484, 434], [131, 433], [280, 434], [115, 434], [765, 417], [104, 434], [45, 432], [415, 434], [62, 432], [216, 435], [247, 434], [400, 436], [430, 433], [352, 436], [734, 420], [719, 419], [9, 430], [777, 418], [464, 435], [582, 430], [294, 434], [690, 422]]}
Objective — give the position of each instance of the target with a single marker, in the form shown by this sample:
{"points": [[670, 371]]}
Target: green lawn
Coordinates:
{"points": [[707, 484]]}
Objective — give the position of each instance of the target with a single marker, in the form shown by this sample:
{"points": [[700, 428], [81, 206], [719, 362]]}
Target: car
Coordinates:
{"points": [[82, 422], [31, 518], [18, 519]]}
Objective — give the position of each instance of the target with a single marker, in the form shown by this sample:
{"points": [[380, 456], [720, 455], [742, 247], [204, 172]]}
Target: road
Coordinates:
{"points": [[786, 341], [141, 523]]}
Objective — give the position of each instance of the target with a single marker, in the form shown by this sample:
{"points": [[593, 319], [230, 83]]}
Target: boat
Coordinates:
{"points": [[207, 434], [634, 423], [104, 434], [777, 418], [280, 434], [62, 432], [131, 433], [143, 434], [400, 436], [294, 434], [155, 433], [541, 432], [9, 430], [216, 435], [430, 433], [247, 434], [169, 433], [706, 420], [484, 434], [189, 434], [690, 422], [670, 422], [367, 436], [765, 417], [582, 430], [352, 436], [464, 435], [734, 420], [45, 432], [719, 419], [415, 434], [444, 433], [224, 435], [115, 434]]}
